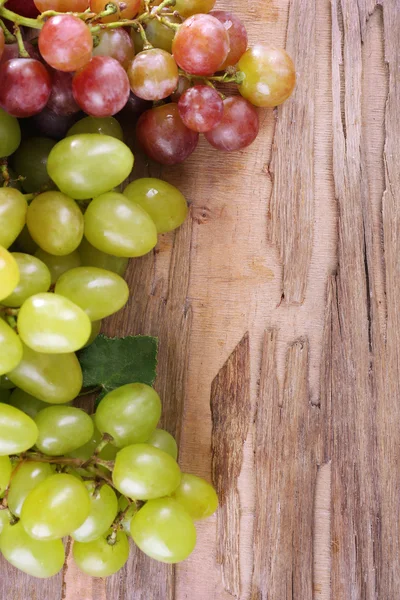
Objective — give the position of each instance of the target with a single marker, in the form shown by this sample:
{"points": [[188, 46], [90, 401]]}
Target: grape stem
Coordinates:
{"points": [[146, 43], [21, 48], [87, 14], [12, 16], [8, 36], [227, 77], [4, 172]]}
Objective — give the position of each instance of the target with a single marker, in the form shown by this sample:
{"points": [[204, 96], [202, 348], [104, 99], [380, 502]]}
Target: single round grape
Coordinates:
{"points": [[164, 441], [9, 273], [62, 5], [201, 108], [270, 75], [103, 510], [87, 165], [201, 45], [239, 126], [96, 327], [153, 74], [86, 451], [5, 473], [133, 108], [53, 324], [165, 204], [34, 278], [30, 161], [142, 472], [13, 209], [34, 557], [129, 413], [104, 125], [47, 123], [115, 225], [101, 88], [187, 8], [183, 85], [126, 10], [25, 8], [100, 559], [58, 265], [163, 530], [25, 86], [117, 44], [18, 432], [25, 478], [61, 99], [237, 36], [164, 137], [197, 496], [55, 507], [129, 513], [27, 403], [62, 429], [53, 378], [158, 34], [10, 348], [65, 42], [98, 292], [91, 257], [55, 222], [10, 134]]}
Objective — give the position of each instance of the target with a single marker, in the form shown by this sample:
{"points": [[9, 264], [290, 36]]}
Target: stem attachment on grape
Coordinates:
{"points": [[8, 36], [4, 172], [21, 48], [146, 44]]}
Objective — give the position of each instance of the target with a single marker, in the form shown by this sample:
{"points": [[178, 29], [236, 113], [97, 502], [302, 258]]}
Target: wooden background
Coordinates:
{"points": [[277, 305]]}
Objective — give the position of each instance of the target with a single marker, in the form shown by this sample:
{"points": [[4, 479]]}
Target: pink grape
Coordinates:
{"points": [[163, 135], [116, 43], [237, 36], [61, 100], [201, 108], [25, 86], [65, 43], [101, 88], [126, 10], [62, 5], [201, 45], [153, 74], [239, 126]]}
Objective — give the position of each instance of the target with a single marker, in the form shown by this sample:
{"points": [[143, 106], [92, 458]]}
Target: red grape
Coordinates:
{"points": [[201, 108], [126, 10], [163, 135], [116, 43], [153, 74], [101, 88], [65, 42], [12, 51], [134, 107], [201, 45], [62, 5], [237, 36], [48, 124], [239, 126], [187, 8], [25, 86], [183, 85], [62, 100], [25, 8], [2, 42]]}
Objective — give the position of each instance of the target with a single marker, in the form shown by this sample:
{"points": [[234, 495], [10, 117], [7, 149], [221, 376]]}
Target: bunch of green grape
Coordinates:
{"points": [[99, 479]]}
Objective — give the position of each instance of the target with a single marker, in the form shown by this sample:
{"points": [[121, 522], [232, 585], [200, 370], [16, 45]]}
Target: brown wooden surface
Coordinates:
{"points": [[278, 303]]}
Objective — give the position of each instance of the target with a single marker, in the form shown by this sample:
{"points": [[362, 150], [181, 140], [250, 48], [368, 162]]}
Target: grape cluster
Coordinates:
{"points": [[97, 479], [168, 58]]}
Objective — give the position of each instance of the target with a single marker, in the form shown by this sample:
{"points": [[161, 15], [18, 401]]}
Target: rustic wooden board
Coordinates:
{"points": [[276, 305]]}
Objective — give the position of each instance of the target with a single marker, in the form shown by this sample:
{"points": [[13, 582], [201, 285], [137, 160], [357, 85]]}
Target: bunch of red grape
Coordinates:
{"points": [[97, 56]]}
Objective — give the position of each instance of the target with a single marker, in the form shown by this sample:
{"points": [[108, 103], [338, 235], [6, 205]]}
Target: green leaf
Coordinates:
{"points": [[111, 362]]}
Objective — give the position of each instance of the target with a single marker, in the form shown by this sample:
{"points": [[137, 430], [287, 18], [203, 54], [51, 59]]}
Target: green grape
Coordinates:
{"points": [[18, 432], [13, 209], [37, 558], [5, 395], [5, 518], [142, 472], [53, 378], [103, 125], [53, 324], [27, 403], [162, 201], [10, 348], [58, 265], [197, 496], [87, 165], [99, 558], [5, 383], [10, 134], [164, 441], [25, 243], [62, 429], [158, 34], [104, 508], [25, 478], [55, 222], [96, 327], [34, 277], [55, 507], [9, 273], [187, 8], [86, 450], [91, 257], [5, 473], [163, 530], [98, 292], [115, 225], [129, 414], [30, 162], [129, 514]]}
